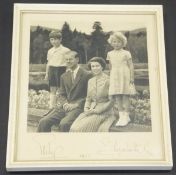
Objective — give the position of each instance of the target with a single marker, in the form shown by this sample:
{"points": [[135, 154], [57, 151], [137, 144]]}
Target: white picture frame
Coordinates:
{"points": [[28, 151]]}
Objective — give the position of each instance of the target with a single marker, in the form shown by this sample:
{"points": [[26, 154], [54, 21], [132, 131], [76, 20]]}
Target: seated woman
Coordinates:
{"points": [[98, 112]]}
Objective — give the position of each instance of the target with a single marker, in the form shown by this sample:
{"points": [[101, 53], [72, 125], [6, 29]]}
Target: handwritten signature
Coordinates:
{"points": [[48, 149], [109, 147]]}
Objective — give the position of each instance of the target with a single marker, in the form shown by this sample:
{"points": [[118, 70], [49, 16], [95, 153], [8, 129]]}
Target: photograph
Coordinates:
{"points": [[115, 91], [86, 75]]}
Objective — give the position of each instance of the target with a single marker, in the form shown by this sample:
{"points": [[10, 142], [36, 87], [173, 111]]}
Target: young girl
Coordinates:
{"points": [[121, 76]]}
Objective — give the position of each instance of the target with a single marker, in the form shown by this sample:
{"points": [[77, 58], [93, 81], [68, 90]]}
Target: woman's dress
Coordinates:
{"points": [[97, 98]]}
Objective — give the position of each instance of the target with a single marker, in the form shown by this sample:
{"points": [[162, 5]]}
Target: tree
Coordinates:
{"points": [[137, 44], [75, 33], [39, 44], [38, 53], [81, 43], [97, 26], [67, 35], [98, 40]]}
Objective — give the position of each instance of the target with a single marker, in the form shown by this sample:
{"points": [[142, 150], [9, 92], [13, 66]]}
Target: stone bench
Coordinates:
{"points": [[34, 115]]}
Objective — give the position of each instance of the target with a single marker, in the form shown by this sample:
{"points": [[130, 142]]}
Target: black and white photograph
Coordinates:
{"points": [[88, 89], [89, 75]]}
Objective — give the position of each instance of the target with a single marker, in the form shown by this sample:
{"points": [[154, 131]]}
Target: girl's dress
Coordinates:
{"points": [[97, 98], [120, 72]]}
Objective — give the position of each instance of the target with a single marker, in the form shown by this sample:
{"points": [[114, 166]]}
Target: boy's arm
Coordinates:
{"points": [[47, 69]]}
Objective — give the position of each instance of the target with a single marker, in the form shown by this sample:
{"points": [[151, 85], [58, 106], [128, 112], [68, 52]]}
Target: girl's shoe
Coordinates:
{"points": [[124, 119], [120, 119]]}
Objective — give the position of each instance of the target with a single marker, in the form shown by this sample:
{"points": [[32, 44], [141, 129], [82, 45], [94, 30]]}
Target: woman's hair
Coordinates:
{"points": [[100, 60], [118, 35], [55, 34]]}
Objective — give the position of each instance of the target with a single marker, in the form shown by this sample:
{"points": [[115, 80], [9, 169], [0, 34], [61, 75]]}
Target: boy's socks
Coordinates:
{"points": [[52, 101]]}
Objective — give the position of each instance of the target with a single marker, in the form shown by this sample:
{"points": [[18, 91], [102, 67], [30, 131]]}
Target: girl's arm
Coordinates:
{"points": [[110, 65], [108, 59], [131, 67]]}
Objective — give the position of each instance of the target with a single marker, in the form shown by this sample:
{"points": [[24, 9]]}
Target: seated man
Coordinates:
{"points": [[73, 90]]}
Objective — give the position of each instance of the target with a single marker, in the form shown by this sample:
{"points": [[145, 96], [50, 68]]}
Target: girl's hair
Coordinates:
{"points": [[118, 35], [55, 34], [100, 60]]}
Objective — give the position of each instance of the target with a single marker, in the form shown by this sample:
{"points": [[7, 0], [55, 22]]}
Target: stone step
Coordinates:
{"points": [[131, 127]]}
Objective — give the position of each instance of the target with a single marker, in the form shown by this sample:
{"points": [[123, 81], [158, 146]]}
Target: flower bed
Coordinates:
{"points": [[140, 111], [38, 99]]}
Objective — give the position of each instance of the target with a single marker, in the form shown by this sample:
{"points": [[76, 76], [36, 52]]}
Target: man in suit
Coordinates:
{"points": [[72, 94]]}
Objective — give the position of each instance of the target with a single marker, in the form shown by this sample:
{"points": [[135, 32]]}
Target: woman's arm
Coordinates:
{"points": [[87, 104], [105, 107], [88, 98]]}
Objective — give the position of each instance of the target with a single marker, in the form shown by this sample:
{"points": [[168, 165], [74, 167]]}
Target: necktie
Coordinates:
{"points": [[72, 76]]}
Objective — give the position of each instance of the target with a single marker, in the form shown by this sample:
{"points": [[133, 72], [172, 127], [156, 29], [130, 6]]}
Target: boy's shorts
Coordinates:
{"points": [[54, 75]]}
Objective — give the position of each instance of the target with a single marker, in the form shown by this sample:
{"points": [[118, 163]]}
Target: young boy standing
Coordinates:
{"points": [[56, 64]]}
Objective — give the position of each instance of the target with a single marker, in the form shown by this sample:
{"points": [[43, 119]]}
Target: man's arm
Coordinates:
{"points": [[62, 95], [81, 102]]}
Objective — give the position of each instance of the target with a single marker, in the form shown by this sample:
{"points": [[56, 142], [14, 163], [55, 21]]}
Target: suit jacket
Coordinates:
{"points": [[74, 92]]}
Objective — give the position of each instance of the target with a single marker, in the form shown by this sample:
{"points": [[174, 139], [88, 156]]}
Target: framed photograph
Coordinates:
{"points": [[88, 89]]}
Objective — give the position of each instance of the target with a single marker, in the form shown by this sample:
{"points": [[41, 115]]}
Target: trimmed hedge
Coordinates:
{"points": [[42, 67]]}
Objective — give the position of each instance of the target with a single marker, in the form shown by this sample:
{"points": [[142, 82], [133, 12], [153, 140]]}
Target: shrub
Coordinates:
{"points": [[140, 111], [38, 99]]}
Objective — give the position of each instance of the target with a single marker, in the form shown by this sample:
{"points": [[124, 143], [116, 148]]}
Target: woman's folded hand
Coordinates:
{"points": [[90, 112]]}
